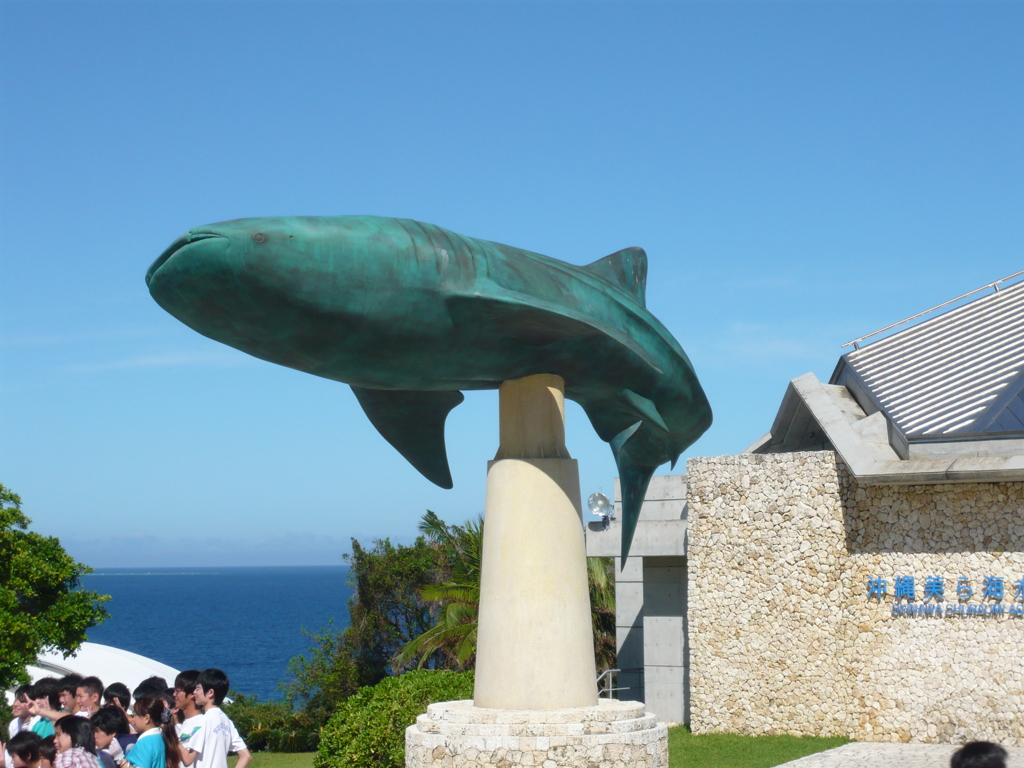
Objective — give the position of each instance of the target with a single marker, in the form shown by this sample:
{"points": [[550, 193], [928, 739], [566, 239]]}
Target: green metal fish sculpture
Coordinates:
{"points": [[409, 314]]}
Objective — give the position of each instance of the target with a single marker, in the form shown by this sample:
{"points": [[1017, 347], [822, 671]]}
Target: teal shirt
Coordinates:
{"points": [[148, 751], [44, 728]]}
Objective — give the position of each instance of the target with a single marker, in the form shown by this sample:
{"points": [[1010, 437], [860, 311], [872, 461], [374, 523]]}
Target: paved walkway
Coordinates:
{"points": [[863, 754]]}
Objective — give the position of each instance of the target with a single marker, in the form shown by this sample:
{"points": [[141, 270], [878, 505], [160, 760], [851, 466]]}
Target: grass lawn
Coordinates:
{"points": [[715, 750], [727, 750], [277, 760]]}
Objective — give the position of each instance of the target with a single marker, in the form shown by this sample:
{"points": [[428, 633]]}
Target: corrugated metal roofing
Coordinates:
{"points": [[940, 376]]}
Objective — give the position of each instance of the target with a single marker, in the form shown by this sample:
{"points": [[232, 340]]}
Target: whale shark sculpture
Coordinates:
{"points": [[408, 314]]}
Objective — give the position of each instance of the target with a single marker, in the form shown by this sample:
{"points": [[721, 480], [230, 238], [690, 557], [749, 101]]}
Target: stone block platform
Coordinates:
{"points": [[613, 734]]}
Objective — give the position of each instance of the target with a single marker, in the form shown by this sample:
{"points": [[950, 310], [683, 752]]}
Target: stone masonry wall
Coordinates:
{"points": [[784, 637]]}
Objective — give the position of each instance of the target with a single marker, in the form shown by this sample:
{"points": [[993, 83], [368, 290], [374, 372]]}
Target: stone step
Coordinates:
{"points": [[613, 734], [428, 725], [653, 736], [607, 710]]}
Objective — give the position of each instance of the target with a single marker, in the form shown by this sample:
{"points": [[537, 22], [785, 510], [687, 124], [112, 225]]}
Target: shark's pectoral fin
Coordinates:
{"points": [[633, 479], [644, 408], [537, 322], [413, 422]]}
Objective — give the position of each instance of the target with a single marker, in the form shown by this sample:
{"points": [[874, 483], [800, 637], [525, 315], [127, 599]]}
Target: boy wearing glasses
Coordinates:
{"points": [[190, 715]]}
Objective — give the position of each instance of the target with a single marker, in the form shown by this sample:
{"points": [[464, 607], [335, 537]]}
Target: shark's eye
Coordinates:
{"points": [[259, 237]]}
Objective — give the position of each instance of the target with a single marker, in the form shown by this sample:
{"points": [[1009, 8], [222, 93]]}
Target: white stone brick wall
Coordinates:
{"points": [[783, 635]]}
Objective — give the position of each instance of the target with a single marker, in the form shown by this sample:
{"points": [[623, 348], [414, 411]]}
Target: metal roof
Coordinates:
{"points": [[946, 374]]}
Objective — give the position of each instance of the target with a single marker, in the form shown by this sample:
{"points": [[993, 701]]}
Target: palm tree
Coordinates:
{"points": [[601, 577], [457, 599]]}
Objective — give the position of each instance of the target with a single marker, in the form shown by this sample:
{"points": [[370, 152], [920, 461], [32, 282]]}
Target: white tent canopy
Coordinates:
{"points": [[111, 665]]}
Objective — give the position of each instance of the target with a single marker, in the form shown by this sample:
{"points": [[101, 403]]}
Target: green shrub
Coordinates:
{"points": [[368, 730], [272, 726]]}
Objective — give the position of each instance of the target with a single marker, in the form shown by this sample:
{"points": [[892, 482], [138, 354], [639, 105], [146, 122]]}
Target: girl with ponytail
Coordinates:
{"points": [[157, 746]]}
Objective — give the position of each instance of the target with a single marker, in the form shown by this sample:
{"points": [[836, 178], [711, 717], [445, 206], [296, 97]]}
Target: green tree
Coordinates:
{"points": [[322, 679], [41, 605], [388, 610], [416, 606], [457, 598], [385, 612], [601, 577]]}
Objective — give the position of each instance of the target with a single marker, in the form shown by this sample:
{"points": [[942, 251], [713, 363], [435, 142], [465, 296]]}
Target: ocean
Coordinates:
{"points": [[246, 621]]}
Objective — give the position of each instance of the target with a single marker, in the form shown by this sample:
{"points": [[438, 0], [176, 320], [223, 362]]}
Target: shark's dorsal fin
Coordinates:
{"points": [[413, 422], [625, 269]]}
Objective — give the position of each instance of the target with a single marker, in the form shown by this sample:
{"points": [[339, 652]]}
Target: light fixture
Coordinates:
{"points": [[601, 507]]}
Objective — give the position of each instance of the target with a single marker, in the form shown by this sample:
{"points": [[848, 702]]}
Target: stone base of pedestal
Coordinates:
{"points": [[613, 734]]}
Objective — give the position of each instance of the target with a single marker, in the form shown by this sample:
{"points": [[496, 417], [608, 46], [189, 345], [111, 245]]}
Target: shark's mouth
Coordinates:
{"points": [[185, 240]]}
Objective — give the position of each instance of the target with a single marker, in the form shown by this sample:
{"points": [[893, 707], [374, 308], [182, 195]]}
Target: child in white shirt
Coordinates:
{"points": [[23, 718], [209, 745]]}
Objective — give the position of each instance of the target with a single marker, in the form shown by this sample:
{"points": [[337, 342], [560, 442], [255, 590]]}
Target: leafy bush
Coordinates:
{"points": [[368, 730], [272, 726]]}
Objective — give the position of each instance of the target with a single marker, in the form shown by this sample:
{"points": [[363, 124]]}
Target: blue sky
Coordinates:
{"points": [[799, 174]]}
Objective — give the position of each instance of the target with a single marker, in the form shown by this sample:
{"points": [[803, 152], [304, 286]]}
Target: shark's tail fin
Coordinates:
{"points": [[634, 476]]}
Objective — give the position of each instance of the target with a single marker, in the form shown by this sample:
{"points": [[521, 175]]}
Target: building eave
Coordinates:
{"points": [[873, 448]]}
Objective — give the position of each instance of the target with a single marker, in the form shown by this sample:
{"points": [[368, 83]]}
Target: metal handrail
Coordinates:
{"points": [[856, 342], [610, 686]]}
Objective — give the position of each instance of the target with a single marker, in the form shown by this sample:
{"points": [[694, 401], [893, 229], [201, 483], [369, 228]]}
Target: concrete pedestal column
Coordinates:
{"points": [[535, 645], [535, 701]]}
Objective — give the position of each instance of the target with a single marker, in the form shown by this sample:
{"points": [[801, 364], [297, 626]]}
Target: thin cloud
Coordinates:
{"points": [[35, 341], [142, 550], [169, 360], [39, 340]]}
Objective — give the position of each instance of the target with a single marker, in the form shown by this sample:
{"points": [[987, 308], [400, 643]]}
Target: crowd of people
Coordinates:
{"points": [[76, 722]]}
